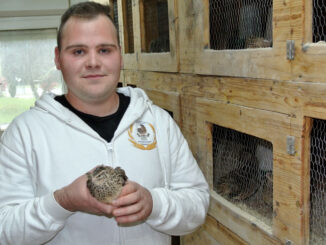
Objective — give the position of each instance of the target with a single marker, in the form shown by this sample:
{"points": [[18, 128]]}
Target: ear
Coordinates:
{"points": [[57, 58]]}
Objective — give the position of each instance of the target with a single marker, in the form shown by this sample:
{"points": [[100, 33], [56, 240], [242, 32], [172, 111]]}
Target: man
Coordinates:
{"points": [[45, 153]]}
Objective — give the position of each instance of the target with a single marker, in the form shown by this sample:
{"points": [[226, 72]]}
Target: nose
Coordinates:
{"points": [[92, 60]]}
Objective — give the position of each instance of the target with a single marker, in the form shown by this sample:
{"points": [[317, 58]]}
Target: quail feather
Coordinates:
{"points": [[105, 183]]}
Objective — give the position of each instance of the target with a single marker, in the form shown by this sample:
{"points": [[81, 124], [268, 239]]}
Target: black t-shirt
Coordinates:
{"points": [[104, 126]]}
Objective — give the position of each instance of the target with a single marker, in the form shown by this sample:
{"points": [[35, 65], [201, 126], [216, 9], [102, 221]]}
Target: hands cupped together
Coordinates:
{"points": [[134, 203]]}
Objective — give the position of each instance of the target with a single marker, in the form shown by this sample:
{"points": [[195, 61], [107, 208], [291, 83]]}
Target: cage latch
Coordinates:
{"points": [[290, 145], [290, 49]]}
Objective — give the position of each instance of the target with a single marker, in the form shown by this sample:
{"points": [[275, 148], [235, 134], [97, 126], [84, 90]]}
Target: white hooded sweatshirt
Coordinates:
{"points": [[48, 147]]}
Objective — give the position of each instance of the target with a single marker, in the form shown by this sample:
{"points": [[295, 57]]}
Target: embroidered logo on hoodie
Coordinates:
{"points": [[142, 135]]}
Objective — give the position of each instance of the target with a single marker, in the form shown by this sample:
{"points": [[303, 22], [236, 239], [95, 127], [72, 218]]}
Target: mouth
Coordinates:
{"points": [[93, 76]]}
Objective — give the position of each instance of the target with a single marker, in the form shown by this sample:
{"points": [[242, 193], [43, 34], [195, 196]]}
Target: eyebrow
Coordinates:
{"points": [[85, 46]]}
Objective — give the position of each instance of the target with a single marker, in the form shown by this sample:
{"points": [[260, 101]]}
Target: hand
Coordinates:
{"points": [[76, 197], [134, 204]]}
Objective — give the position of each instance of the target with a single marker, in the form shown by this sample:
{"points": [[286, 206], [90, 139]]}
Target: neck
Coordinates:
{"points": [[96, 108]]}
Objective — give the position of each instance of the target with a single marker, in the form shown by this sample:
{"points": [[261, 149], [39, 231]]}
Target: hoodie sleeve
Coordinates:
{"points": [[180, 207], [24, 217]]}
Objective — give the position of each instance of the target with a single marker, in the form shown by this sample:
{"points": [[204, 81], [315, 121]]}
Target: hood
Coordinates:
{"points": [[139, 104]]}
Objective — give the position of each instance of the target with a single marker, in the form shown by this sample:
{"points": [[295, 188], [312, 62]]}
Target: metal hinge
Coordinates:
{"points": [[290, 145], [288, 242], [290, 49]]}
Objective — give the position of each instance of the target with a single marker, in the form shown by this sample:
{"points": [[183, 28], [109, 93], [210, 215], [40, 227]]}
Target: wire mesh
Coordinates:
{"points": [[243, 171], [129, 45], [319, 21], [318, 182], [156, 24], [240, 24], [115, 14]]}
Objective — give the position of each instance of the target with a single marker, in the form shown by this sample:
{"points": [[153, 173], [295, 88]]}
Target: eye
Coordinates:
{"points": [[78, 52], [104, 51]]}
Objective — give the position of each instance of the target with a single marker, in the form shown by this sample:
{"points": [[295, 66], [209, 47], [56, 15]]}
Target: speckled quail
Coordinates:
{"points": [[105, 183]]}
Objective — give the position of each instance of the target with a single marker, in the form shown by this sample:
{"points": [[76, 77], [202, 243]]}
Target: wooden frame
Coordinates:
{"points": [[254, 63], [273, 127], [312, 110], [138, 60], [167, 62], [126, 27], [112, 14], [311, 57], [130, 61], [258, 92]]}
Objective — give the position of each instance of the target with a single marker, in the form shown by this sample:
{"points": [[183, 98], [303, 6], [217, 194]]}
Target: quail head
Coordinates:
{"points": [[105, 183]]}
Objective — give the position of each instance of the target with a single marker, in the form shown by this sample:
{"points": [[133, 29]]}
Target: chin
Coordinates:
{"points": [[97, 97]]}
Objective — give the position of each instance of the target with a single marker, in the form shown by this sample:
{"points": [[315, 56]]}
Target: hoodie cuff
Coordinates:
{"points": [[157, 205], [58, 213]]}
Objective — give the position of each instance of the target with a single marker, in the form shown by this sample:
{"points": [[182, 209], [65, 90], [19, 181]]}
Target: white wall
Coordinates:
{"points": [[32, 7], [31, 14]]}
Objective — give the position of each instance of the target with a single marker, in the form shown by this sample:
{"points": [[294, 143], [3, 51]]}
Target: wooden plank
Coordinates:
{"points": [[167, 100], [142, 26], [213, 232], [125, 27], [306, 179], [307, 21], [267, 125], [199, 237], [309, 63], [186, 28], [249, 229], [287, 200], [286, 97], [121, 25], [188, 103], [222, 234]]}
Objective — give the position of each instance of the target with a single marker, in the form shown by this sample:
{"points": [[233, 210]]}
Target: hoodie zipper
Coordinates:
{"points": [[111, 154]]}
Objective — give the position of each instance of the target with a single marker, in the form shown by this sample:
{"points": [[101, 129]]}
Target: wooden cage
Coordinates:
{"points": [[273, 92]]}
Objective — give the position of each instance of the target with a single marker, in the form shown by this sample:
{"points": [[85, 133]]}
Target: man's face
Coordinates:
{"points": [[90, 59]]}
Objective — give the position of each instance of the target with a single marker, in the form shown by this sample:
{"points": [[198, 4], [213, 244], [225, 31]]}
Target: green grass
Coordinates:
{"points": [[12, 107]]}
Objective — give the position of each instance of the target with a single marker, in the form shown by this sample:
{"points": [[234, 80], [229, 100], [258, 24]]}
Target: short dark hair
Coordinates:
{"points": [[84, 10]]}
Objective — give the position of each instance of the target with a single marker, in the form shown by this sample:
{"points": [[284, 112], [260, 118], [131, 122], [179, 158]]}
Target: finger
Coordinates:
{"points": [[128, 199], [106, 209], [128, 210], [130, 218]]}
